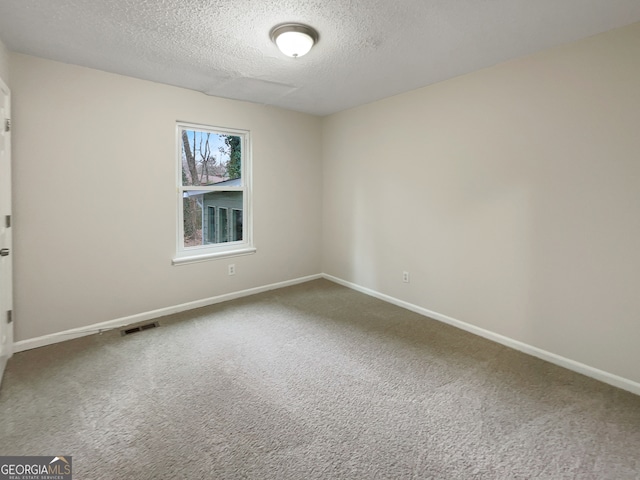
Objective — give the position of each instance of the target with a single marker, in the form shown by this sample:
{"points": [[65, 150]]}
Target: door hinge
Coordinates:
{"points": [[7, 221], [7, 125], [10, 316]]}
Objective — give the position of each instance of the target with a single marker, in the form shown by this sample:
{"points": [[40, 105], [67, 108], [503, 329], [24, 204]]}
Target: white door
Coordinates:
{"points": [[6, 286]]}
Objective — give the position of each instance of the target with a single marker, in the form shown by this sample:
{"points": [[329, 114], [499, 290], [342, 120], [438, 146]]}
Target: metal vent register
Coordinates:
{"points": [[139, 328]]}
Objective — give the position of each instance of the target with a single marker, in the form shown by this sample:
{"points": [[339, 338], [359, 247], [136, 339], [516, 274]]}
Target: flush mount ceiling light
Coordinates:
{"points": [[294, 39]]}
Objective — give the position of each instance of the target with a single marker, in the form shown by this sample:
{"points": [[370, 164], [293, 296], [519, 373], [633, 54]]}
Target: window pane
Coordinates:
{"points": [[211, 225], [236, 225], [234, 152], [210, 158], [223, 225], [192, 217]]}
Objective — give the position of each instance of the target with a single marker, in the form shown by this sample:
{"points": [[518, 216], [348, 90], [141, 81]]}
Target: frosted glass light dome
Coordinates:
{"points": [[294, 44], [294, 40]]}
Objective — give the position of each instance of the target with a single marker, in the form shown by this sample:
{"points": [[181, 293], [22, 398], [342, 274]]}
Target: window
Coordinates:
{"points": [[211, 225], [213, 193], [236, 224], [223, 227]]}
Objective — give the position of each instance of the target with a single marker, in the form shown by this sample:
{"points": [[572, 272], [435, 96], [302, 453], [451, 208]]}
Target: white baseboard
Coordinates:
{"points": [[153, 314], [567, 363]]}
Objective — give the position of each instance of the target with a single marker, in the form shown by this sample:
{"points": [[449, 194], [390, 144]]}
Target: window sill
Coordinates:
{"points": [[213, 256]]}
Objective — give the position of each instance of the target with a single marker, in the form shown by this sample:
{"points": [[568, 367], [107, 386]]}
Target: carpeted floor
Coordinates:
{"points": [[314, 381]]}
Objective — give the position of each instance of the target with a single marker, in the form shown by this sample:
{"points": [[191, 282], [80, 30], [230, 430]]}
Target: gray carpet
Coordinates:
{"points": [[313, 381]]}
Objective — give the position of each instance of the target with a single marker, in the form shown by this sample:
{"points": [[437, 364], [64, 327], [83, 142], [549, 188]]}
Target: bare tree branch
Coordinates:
{"points": [[191, 161]]}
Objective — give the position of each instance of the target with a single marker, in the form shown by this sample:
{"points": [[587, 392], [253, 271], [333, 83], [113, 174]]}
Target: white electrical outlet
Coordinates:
{"points": [[405, 277], [232, 269]]}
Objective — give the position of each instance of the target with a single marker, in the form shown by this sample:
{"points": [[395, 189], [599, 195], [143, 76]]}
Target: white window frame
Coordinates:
{"points": [[200, 253]]}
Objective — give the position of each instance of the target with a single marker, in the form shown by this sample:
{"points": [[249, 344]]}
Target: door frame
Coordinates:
{"points": [[6, 262]]}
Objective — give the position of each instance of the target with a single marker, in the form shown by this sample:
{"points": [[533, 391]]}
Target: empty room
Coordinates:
{"points": [[320, 240]]}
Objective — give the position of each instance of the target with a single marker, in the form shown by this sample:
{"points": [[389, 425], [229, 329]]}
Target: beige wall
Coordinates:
{"points": [[4, 63], [511, 195], [94, 163]]}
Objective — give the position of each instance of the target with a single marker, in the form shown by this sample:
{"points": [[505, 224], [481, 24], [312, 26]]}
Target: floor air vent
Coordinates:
{"points": [[139, 328]]}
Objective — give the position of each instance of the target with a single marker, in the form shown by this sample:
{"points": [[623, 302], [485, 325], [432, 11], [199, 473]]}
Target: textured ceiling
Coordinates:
{"points": [[368, 49]]}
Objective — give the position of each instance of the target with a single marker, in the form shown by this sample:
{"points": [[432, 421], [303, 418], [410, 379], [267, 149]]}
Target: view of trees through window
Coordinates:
{"points": [[213, 162], [209, 158]]}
